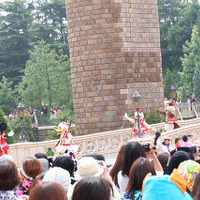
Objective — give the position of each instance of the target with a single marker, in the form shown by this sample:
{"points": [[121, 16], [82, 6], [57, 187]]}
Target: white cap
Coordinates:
{"points": [[58, 175]]}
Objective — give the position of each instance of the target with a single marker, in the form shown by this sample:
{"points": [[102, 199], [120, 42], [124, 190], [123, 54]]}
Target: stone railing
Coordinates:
{"points": [[104, 143]]}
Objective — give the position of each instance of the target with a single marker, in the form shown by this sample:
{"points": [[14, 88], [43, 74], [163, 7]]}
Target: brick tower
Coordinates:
{"points": [[114, 51]]}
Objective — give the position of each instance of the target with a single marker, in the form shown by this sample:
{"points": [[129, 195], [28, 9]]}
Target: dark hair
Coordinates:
{"points": [[33, 168], [177, 139], [118, 165], [48, 191], [92, 188], [64, 162], [157, 135], [184, 138], [9, 176], [196, 192], [140, 168], [40, 155], [163, 159], [132, 152], [99, 156], [175, 160], [164, 141], [96, 156]]}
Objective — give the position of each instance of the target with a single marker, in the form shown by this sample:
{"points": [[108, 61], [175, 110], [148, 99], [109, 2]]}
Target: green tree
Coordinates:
{"points": [[196, 82], [169, 14], [181, 32], [50, 24], [47, 78], [15, 21], [7, 96], [191, 62], [168, 81], [16, 126], [153, 117], [9, 140]]}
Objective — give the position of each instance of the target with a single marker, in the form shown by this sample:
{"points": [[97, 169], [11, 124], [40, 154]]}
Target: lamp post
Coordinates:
{"points": [[172, 92], [20, 113], [136, 100]]}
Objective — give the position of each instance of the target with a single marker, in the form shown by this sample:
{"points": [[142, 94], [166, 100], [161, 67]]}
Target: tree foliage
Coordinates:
{"points": [[16, 126], [168, 81], [22, 24], [177, 19], [191, 62], [14, 41], [181, 32], [7, 96], [47, 78]]}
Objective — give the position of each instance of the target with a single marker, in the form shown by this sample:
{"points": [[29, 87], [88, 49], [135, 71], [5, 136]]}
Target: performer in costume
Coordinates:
{"points": [[170, 114], [145, 128], [65, 143], [3, 145]]}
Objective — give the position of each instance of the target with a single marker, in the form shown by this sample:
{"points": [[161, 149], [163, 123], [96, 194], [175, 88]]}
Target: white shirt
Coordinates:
{"points": [[122, 181]]}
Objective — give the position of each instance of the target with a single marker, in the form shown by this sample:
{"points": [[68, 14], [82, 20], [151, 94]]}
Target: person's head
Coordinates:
{"points": [[64, 162], [92, 188], [96, 156], [176, 159], [140, 168], [88, 166], [118, 165], [9, 175], [132, 152], [31, 170], [185, 138], [177, 140], [166, 141], [58, 175], [40, 155], [157, 135], [48, 191], [163, 159]]}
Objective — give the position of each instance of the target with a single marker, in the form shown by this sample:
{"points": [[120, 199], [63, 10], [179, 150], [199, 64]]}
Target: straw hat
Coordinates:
{"points": [[88, 166]]}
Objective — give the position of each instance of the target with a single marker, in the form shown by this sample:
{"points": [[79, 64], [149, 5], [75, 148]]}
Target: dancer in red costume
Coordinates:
{"points": [[3, 145], [145, 128]]}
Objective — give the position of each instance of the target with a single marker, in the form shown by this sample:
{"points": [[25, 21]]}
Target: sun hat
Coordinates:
{"points": [[58, 175], [189, 170], [45, 165], [88, 166]]}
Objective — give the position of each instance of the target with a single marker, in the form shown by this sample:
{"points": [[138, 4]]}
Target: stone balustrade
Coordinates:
{"points": [[105, 143]]}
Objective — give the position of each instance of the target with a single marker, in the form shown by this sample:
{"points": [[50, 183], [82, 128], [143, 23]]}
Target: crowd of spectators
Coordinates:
{"points": [[140, 172], [191, 100], [45, 114]]}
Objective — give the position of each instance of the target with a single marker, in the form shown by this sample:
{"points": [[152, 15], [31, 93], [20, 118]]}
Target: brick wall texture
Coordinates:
{"points": [[114, 51]]}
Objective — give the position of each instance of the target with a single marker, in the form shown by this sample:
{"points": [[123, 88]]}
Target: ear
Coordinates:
{"points": [[145, 179], [178, 179]]}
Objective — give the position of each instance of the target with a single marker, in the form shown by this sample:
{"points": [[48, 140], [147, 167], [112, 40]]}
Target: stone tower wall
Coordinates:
{"points": [[114, 51]]}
